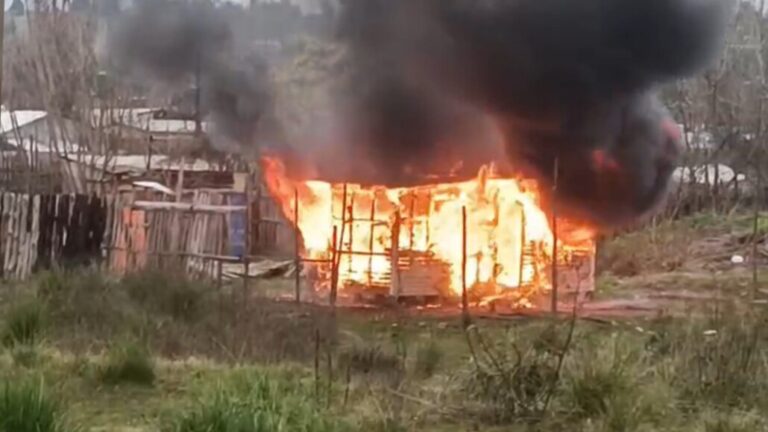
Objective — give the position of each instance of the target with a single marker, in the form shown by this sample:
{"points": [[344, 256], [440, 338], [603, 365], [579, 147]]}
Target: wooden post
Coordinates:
{"points": [[554, 236], [220, 289], [429, 218], [370, 242], [338, 244], [522, 246], [296, 257], [343, 225], [351, 213], [247, 251], [464, 296], [317, 365], [395, 289], [2, 39], [177, 218], [755, 230], [411, 223], [334, 268]]}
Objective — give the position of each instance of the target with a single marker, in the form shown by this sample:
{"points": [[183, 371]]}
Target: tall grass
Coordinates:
{"points": [[167, 291], [26, 406], [128, 363], [24, 325], [257, 402], [429, 356]]}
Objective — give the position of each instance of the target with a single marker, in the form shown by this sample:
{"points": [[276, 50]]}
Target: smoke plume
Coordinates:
{"points": [[561, 89], [178, 41], [569, 84]]}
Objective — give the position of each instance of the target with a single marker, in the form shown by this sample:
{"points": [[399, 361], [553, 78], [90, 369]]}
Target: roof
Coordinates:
{"points": [[138, 163], [703, 174], [9, 120], [171, 126], [130, 116], [30, 146], [154, 186]]}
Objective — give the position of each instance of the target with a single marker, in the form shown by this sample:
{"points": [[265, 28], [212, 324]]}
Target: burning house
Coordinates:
{"points": [[560, 94], [488, 233]]}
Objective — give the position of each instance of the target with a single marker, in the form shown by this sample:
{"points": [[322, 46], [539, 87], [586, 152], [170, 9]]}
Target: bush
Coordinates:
{"points": [[382, 425], [736, 422], [129, 363], [257, 403], [24, 325], [428, 359], [81, 296], [512, 379], [610, 381], [368, 358], [170, 292], [25, 355], [26, 407], [720, 360]]}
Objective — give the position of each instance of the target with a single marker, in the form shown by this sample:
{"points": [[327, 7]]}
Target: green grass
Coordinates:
{"points": [[128, 363], [26, 406], [213, 366], [256, 402], [24, 324], [167, 291]]}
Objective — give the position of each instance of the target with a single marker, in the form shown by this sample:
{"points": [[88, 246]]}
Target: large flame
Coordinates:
{"points": [[503, 218]]}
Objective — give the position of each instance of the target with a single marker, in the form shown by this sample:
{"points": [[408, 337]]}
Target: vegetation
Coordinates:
{"points": [[256, 402], [156, 351], [25, 406], [24, 324], [128, 363]]}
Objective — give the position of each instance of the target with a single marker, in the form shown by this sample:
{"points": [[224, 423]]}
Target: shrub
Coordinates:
{"points": [[24, 325], [169, 292], [128, 363], [25, 355], [82, 296], [25, 406], [719, 360], [428, 359], [368, 358], [257, 403], [736, 422], [512, 379], [382, 425]]}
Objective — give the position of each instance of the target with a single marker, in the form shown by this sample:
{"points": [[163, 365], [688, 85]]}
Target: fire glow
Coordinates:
{"points": [[509, 240]]}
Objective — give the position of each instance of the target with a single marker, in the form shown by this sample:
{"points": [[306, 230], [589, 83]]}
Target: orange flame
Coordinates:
{"points": [[503, 218]]}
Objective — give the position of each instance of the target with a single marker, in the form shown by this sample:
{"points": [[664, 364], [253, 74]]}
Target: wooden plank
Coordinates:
{"points": [[187, 207], [21, 238], [36, 211]]}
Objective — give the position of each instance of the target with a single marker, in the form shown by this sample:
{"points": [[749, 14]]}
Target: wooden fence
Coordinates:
{"points": [[37, 231], [44, 230]]}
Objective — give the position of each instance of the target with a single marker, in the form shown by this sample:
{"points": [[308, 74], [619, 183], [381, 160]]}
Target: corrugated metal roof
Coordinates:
{"points": [[18, 118], [138, 163]]}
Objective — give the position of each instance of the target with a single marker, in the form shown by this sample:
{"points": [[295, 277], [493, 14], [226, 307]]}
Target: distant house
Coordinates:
{"points": [[153, 130], [707, 175], [22, 124], [698, 139]]}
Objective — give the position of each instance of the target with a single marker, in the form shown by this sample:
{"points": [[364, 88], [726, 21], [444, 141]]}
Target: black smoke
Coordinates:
{"points": [[568, 83], [182, 42]]}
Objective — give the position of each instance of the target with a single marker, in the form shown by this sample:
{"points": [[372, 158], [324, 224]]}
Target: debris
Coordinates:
{"points": [[265, 269], [737, 259]]}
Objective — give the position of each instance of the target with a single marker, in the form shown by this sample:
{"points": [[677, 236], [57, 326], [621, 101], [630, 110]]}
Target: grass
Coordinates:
{"points": [[26, 406], [24, 324], [167, 291], [128, 363], [429, 357], [256, 402], [209, 363]]}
